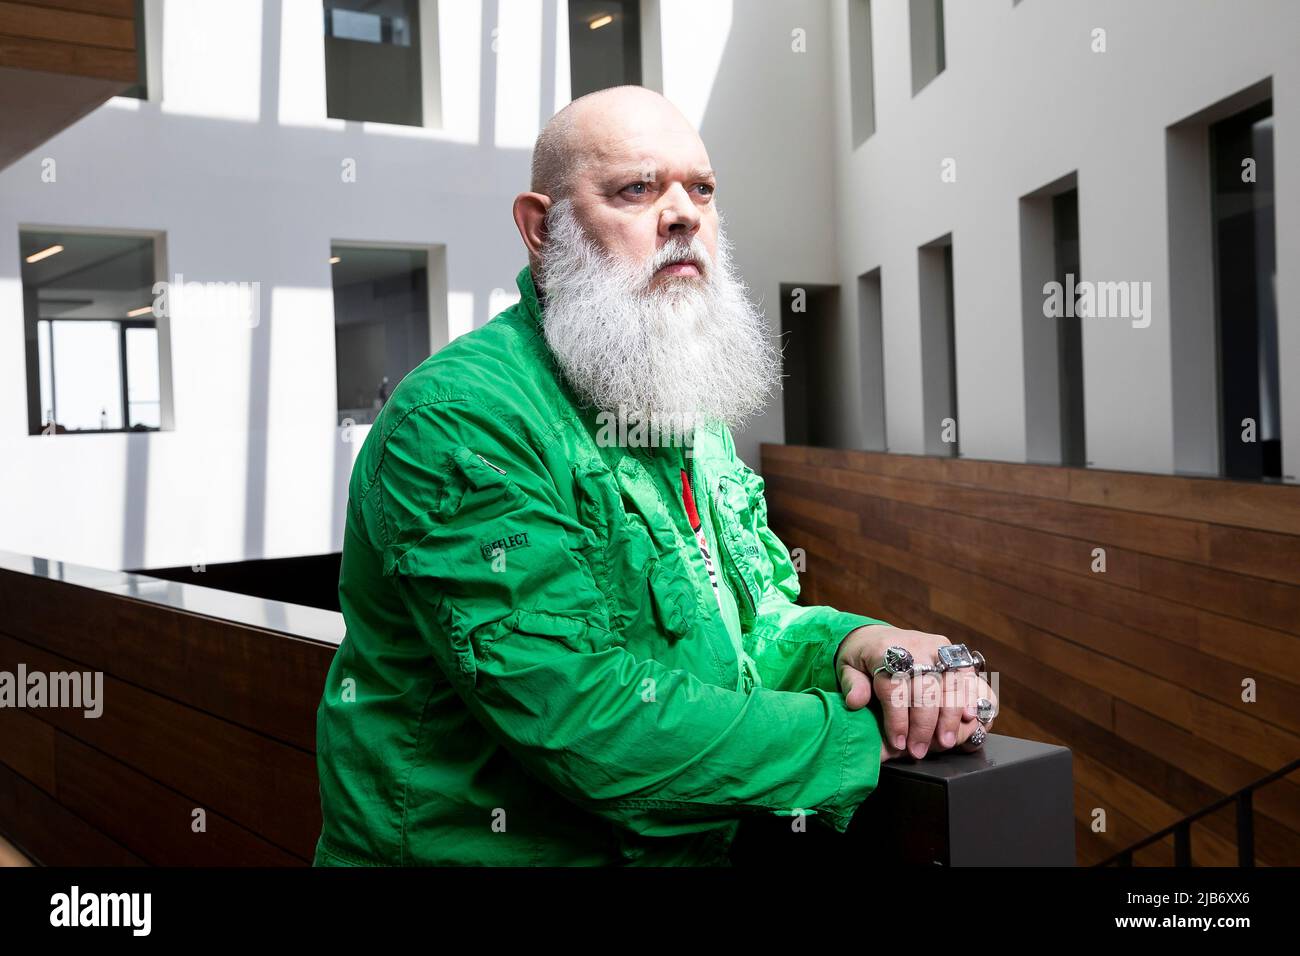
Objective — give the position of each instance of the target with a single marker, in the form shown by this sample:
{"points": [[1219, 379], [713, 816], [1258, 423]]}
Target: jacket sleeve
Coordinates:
{"points": [[486, 559], [793, 646]]}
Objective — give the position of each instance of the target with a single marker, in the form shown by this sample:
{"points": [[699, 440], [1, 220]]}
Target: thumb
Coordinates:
{"points": [[856, 687]]}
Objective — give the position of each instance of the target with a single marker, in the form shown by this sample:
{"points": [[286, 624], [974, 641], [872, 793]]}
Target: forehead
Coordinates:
{"points": [[658, 140]]}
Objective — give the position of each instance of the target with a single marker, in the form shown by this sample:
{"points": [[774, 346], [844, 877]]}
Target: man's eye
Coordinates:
{"points": [[708, 190], [638, 188]]}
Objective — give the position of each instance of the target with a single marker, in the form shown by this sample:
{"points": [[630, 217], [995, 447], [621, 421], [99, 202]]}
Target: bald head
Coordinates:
{"points": [[587, 128]]}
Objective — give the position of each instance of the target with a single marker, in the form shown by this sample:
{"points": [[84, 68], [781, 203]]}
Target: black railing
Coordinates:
{"points": [[1182, 830]]}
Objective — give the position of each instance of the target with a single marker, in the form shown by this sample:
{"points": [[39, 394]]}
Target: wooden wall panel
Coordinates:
{"points": [[198, 713], [86, 38], [1138, 669]]}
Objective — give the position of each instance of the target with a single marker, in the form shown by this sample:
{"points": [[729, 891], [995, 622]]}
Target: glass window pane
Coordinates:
{"points": [[372, 62], [604, 45], [142, 387], [381, 324], [79, 290], [87, 375]]}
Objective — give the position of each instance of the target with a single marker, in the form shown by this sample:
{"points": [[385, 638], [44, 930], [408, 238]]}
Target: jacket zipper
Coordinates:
{"points": [[736, 645]]}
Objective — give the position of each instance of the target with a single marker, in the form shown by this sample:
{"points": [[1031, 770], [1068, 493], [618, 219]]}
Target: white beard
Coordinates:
{"points": [[692, 351]]}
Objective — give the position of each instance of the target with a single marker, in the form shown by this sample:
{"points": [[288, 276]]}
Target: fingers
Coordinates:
{"points": [[923, 715], [894, 696], [950, 713], [974, 731], [887, 752]]}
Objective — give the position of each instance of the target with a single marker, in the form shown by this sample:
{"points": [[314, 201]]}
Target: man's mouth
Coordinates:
{"points": [[683, 268]]}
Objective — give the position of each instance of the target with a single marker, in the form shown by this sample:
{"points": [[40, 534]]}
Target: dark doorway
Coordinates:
{"points": [[811, 384]]}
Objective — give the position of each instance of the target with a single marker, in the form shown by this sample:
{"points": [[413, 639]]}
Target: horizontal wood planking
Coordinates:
{"points": [[1224, 770], [266, 786], [51, 834], [211, 665], [121, 9], [1091, 690], [1137, 670], [1266, 507], [199, 713], [43, 22], [46, 57], [1255, 553], [154, 821]]}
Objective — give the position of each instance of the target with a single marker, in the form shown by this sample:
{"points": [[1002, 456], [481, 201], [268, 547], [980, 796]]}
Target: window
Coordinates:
{"points": [[374, 70], [1050, 259], [1069, 330], [928, 56], [1222, 288], [871, 345], [604, 45], [815, 392], [93, 356], [1245, 273], [862, 91], [381, 323], [938, 347]]}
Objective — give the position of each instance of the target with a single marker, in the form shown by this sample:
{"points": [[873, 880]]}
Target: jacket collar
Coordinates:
{"points": [[532, 299]]}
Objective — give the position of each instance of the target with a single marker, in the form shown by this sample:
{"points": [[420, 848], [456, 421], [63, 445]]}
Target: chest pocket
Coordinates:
{"points": [[739, 510], [632, 570]]}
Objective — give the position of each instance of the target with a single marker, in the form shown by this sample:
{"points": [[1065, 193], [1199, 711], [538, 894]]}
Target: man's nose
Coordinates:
{"points": [[679, 216]]}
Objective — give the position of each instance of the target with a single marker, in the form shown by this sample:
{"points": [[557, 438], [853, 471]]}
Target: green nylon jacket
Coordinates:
{"points": [[536, 670]]}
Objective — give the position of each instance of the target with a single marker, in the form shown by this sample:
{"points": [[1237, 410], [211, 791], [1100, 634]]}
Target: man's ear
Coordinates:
{"points": [[530, 218]]}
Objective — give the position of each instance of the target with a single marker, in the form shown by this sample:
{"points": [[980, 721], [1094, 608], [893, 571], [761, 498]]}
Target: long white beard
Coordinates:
{"points": [[692, 351]]}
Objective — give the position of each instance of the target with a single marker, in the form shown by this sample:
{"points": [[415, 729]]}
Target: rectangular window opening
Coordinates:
{"points": [[381, 323], [94, 355], [381, 62], [604, 45], [938, 347], [929, 57], [862, 83]]}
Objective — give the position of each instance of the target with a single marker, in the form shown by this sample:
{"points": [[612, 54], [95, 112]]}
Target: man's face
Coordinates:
{"points": [[647, 184]]}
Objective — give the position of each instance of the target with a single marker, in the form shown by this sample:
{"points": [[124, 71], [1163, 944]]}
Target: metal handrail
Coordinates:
{"points": [[1182, 830]]}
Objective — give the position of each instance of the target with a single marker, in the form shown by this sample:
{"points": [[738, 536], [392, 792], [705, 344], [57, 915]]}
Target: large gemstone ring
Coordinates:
{"points": [[898, 660]]}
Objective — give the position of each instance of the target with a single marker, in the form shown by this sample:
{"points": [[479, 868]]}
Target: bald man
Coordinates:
{"points": [[572, 638]]}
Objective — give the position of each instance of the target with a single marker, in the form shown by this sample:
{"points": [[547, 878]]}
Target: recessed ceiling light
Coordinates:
{"points": [[140, 311], [599, 22], [44, 253], [334, 260]]}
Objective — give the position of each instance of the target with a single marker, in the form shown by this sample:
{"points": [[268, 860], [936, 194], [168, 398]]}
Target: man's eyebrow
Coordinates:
{"points": [[634, 172]]}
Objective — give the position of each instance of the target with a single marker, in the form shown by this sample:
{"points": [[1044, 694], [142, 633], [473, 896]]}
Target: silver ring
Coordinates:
{"points": [[955, 656], [984, 711], [977, 738], [898, 660]]}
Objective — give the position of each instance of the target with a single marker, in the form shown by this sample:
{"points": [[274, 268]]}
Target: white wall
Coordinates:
{"points": [[236, 163], [1023, 102]]}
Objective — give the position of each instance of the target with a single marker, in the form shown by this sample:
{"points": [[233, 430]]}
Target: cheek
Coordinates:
{"points": [[636, 239]]}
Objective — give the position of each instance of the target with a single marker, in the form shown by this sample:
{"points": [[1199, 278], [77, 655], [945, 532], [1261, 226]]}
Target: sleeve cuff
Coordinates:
{"points": [[860, 767]]}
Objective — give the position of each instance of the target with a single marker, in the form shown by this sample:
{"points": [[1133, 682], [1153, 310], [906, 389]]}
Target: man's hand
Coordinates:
{"points": [[933, 711]]}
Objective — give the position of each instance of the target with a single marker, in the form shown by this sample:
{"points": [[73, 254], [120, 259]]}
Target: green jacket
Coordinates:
{"points": [[536, 668]]}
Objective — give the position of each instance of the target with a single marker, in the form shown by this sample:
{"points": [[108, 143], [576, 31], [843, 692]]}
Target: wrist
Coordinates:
{"points": [[864, 633]]}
